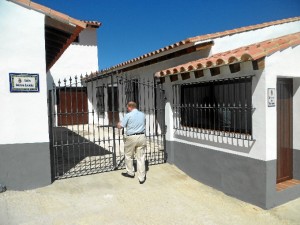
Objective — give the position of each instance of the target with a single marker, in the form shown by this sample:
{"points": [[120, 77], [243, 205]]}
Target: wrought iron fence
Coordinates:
{"points": [[83, 115], [220, 107]]}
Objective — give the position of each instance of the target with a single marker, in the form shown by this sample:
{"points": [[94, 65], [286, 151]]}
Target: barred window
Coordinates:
{"points": [[132, 91], [100, 100], [221, 107]]}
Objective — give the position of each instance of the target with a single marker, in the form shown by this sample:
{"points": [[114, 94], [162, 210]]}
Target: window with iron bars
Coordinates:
{"points": [[100, 100], [132, 91], [220, 107]]}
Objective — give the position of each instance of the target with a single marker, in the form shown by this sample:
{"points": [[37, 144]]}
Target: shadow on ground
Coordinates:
{"points": [[73, 155]]}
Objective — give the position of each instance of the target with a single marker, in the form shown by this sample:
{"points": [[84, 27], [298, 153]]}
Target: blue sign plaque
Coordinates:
{"points": [[24, 82]]}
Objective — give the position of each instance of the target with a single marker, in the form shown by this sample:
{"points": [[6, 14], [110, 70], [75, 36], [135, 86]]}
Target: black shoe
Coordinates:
{"points": [[125, 174], [141, 182]]}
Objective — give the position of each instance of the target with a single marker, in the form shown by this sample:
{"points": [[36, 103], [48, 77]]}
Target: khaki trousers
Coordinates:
{"points": [[135, 144]]}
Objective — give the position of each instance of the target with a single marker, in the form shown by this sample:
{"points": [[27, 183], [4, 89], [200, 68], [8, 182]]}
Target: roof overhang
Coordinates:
{"points": [[60, 29], [50, 12], [58, 37], [241, 30], [169, 52], [254, 52]]}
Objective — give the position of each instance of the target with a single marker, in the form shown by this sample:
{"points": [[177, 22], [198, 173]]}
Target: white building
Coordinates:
{"points": [[35, 41], [230, 114], [222, 107]]}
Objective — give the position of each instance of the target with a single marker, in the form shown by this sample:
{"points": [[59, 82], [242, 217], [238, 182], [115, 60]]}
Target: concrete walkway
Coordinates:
{"points": [[167, 197]]}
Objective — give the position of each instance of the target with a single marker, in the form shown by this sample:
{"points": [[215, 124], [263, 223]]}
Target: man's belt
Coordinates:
{"points": [[135, 134]]}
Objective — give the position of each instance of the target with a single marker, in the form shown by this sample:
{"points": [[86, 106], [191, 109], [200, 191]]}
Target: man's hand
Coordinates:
{"points": [[119, 125]]}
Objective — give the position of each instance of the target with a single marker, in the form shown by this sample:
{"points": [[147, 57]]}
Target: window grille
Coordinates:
{"points": [[132, 91], [100, 100], [220, 107]]}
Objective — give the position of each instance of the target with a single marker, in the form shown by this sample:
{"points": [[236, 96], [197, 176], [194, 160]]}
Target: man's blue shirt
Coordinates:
{"points": [[134, 122]]}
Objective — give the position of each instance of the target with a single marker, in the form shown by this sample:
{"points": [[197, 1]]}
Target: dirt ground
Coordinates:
{"points": [[167, 197]]}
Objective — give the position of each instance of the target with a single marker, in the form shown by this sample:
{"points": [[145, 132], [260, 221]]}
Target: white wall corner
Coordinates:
{"points": [[169, 122]]}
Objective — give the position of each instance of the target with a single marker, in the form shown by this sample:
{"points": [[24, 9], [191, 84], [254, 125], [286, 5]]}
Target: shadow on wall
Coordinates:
{"points": [[296, 85], [229, 143], [87, 37], [50, 81], [2, 188]]}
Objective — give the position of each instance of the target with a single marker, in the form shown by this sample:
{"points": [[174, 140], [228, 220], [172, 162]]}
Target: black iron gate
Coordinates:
{"points": [[83, 114]]}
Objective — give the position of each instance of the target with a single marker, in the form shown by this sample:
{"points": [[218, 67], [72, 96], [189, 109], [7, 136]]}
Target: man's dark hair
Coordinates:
{"points": [[131, 104]]}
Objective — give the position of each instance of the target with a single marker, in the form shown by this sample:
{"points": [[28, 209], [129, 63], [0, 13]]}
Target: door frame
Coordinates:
{"points": [[113, 104], [284, 166]]}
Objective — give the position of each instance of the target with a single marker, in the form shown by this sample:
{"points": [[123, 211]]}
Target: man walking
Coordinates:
{"points": [[135, 141]]}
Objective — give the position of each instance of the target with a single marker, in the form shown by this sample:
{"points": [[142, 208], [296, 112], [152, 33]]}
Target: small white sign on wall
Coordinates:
{"points": [[271, 97], [24, 82]]}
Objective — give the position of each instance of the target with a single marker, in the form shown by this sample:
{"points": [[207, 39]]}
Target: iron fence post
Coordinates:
{"points": [[113, 123]]}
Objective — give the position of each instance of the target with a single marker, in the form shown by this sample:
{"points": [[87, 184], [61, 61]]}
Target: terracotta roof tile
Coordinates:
{"points": [[54, 14], [201, 38], [242, 54], [242, 29], [172, 46], [93, 23]]}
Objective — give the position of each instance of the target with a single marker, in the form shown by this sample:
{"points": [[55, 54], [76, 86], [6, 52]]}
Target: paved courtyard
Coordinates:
{"points": [[167, 197]]}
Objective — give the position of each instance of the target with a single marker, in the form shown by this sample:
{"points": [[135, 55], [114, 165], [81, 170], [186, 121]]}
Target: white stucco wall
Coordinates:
{"points": [[250, 37], [23, 116], [78, 59], [296, 113], [279, 65]]}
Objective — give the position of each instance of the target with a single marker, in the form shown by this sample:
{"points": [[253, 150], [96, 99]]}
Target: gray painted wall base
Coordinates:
{"points": [[296, 164], [25, 166], [248, 179]]}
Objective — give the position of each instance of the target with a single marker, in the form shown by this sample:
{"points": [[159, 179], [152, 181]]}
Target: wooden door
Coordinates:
{"points": [[113, 105], [72, 106], [284, 129]]}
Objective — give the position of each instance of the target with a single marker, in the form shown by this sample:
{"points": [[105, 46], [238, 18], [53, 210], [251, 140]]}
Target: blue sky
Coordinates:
{"points": [[134, 27]]}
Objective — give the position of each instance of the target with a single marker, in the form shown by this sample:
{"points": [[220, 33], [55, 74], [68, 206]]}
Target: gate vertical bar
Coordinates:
{"points": [[113, 122], [118, 131]]}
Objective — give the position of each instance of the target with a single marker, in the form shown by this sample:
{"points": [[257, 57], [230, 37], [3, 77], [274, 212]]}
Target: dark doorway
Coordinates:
{"points": [[113, 105], [284, 129]]}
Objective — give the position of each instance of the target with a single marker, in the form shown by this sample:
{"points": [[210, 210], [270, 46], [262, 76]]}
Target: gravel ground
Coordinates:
{"points": [[167, 197]]}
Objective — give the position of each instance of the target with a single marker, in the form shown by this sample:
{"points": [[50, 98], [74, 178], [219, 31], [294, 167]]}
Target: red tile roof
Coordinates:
{"points": [[203, 38], [242, 54], [93, 23], [54, 14], [241, 29]]}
